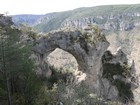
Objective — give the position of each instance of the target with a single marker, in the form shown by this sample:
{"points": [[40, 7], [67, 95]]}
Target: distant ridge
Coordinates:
{"points": [[108, 17]]}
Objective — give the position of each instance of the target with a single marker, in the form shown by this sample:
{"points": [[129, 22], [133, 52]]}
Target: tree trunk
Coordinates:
{"points": [[5, 75]]}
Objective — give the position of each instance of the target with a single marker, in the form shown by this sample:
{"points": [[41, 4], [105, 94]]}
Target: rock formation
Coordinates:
{"points": [[117, 79], [88, 46], [117, 22]]}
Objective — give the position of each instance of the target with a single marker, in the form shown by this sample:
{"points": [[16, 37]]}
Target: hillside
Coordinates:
{"points": [[111, 17]]}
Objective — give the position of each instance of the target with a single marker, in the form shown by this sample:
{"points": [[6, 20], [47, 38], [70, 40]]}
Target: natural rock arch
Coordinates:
{"points": [[87, 46]]}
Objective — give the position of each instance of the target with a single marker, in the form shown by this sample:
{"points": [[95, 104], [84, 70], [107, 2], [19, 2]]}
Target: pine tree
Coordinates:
{"points": [[18, 80]]}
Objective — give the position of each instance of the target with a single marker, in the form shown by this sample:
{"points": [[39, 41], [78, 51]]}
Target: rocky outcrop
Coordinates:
{"points": [[117, 79], [87, 46], [104, 72], [117, 22]]}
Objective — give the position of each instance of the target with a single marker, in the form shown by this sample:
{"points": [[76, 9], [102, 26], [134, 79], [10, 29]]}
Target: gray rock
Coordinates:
{"points": [[116, 79], [88, 46]]}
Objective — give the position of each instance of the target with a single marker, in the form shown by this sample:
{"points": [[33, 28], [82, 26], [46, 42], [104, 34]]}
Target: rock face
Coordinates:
{"points": [[103, 70], [117, 79], [87, 46], [110, 22]]}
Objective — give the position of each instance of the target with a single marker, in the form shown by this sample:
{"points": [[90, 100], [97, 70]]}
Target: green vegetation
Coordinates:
{"points": [[90, 36], [58, 19], [19, 84], [115, 69], [69, 95]]}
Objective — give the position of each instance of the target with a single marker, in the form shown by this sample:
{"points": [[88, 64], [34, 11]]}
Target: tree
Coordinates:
{"points": [[18, 79], [3, 29]]}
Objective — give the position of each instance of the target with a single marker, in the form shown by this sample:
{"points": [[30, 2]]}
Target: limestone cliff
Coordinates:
{"points": [[111, 22]]}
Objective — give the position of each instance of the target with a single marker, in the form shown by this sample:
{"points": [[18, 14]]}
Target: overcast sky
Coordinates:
{"points": [[47, 6]]}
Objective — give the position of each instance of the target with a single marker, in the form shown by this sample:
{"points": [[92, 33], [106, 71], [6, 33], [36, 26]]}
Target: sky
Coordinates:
{"points": [[13, 7]]}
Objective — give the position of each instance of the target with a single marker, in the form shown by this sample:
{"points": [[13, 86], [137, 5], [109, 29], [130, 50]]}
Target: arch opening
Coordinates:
{"points": [[61, 59], [64, 67]]}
